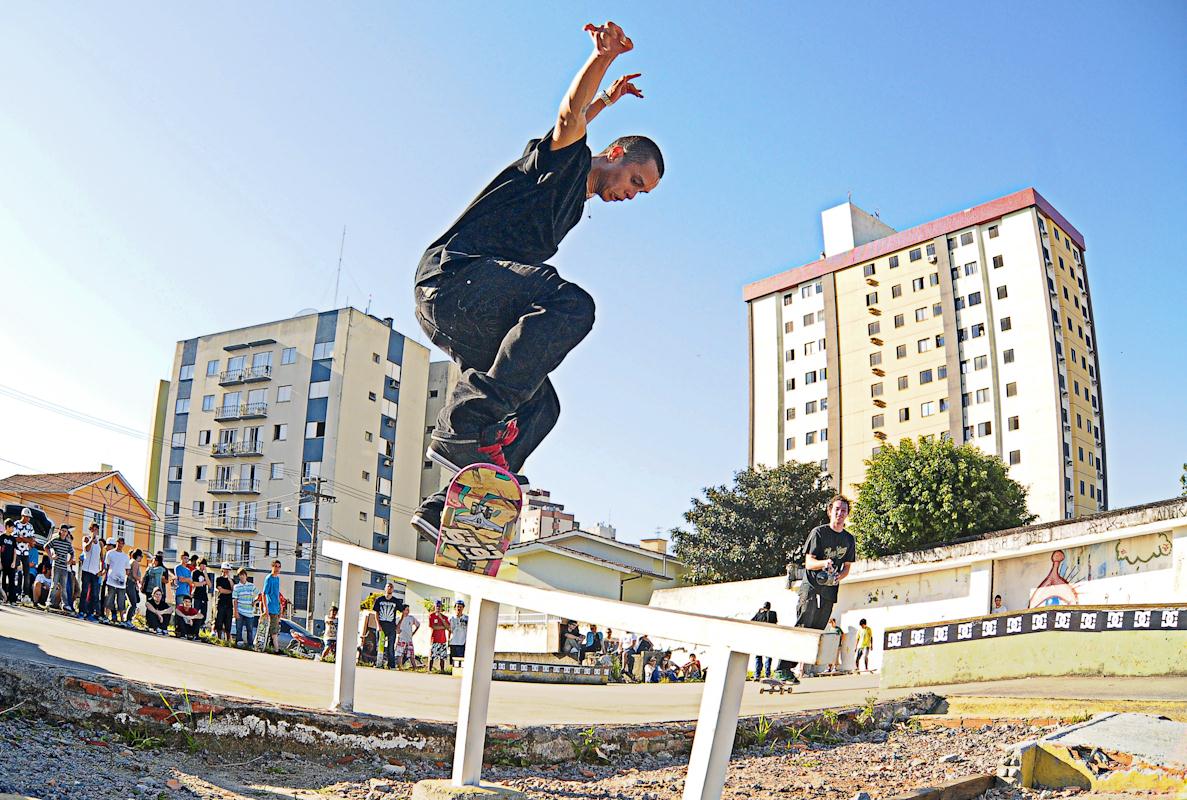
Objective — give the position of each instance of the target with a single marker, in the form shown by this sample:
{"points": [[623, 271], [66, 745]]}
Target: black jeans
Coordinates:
{"points": [[812, 611], [507, 325]]}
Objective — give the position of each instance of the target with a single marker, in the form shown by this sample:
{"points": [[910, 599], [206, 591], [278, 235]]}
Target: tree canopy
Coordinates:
{"points": [[931, 492], [752, 530]]}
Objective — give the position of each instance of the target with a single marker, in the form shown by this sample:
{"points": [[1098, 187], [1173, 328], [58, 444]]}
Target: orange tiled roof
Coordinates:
{"points": [[52, 482]]}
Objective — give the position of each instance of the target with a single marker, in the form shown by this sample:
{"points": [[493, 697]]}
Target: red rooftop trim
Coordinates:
{"points": [[994, 209]]}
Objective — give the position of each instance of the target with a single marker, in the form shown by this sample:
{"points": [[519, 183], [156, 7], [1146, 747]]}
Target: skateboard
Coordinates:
{"points": [[482, 506], [776, 686]]}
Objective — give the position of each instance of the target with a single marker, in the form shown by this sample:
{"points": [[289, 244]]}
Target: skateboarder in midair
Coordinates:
{"points": [[485, 295]]}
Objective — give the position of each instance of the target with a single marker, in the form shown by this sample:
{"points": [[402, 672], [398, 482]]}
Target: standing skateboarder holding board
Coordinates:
{"points": [[485, 295]]}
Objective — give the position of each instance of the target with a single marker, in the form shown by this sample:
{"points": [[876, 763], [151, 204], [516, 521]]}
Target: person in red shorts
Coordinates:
{"points": [[439, 625]]}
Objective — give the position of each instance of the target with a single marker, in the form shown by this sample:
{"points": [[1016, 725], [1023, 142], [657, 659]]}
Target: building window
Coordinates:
{"points": [[809, 319], [273, 511], [203, 438], [187, 372], [809, 377], [1012, 423], [310, 469], [200, 472], [980, 362], [789, 355], [966, 238], [284, 394], [924, 344], [904, 414], [941, 372], [970, 268], [998, 262], [871, 298], [982, 395], [810, 437], [917, 284], [810, 407], [276, 470], [920, 314], [977, 331], [789, 444], [368, 436], [876, 390], [916, 254], [179, 439], [874, 328], [789, 414], [789, 384], [893, 262], [174, 473], [288, 355], [182, 406], [824, 435], [868, 270], [280, 433], [984, 428], [1008, 356], [323, 350], [943, 406], [809, 348], [931, 249], [927, 409], [974, 299], [899, 320], [208, 402], [933, 279], [319, 389], [992, 231], [896, 291], [787, 299], [903, 382], [362, 516], [900, 351], [958, 303], [1006, 324], [789, 326], [375, 357], [925, 376], [1011, 389], [172, 509], [1015, 457], [1002, 292]]}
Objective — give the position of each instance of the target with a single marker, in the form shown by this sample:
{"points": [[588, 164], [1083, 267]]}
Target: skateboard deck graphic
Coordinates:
{"points": [[482, 507]]}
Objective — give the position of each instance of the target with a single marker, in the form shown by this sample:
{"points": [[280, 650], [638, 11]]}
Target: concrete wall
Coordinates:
{"points": [[1130, 556]]}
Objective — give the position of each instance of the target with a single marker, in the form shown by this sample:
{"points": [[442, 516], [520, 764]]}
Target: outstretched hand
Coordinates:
{"points": [[624, 86], [609, 40]]}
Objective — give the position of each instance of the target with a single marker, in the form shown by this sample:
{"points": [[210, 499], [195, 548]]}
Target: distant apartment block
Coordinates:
{"points": [[977, 326], [251, 415]]}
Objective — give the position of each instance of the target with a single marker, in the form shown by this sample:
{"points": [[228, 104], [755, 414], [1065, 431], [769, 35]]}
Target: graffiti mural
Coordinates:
{"points": [[1072, 571]]}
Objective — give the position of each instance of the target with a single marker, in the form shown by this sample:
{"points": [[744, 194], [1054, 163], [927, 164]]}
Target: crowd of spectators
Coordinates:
{"points": [[604, 649]]}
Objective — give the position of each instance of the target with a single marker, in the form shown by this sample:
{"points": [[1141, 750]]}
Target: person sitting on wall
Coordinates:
{"points": [[693, 670], [651, 673], [570, 639]]}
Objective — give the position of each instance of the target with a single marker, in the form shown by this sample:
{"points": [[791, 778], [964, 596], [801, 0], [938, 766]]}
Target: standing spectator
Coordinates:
{"points": [[771, 617], [439, 637], [201, 589], [271, 595], [34, 568], [92, 565], [186, 619], [135, 583], [157, 612], [998, 606], [828, 552], [223, 603], [182, 579], [102, 606], [154, 576], [865, 643], [457, 630], [117, 564], [386, 609], [406, 628], [330, 635], [9, 566], [62, 552], [26, 537], [244, 595], [836, 630], [591, 644]]}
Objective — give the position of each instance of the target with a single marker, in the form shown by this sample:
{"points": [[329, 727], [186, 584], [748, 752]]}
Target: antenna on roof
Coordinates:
{"points": [[338, 274], [849, 196]]}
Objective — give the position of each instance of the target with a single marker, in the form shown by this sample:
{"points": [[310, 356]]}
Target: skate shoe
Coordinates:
{"points": [[427, 518]]}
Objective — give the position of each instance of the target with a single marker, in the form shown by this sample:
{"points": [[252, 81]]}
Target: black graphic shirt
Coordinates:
{"points": [[840, 548]]}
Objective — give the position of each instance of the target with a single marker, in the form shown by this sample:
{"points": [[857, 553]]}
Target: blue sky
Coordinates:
{"points": [[175, 170]]}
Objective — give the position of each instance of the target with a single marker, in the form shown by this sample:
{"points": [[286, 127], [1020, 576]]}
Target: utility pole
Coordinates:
{"points": [[318, 496]]}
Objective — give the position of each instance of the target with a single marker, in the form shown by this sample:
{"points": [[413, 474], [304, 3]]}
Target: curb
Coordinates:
{"points": [[958, 789]]}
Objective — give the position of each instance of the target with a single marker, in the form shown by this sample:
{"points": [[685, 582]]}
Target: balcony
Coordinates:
{"points": [[241, 411], [252, 447], [234, 377], [230, 486], [243, 524]]}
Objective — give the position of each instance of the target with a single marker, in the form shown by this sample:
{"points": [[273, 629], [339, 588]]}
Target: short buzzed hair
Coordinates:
{"points": [[639, 150]]}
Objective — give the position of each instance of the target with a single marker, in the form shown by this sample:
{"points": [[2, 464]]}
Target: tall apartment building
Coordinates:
{"points": [[542, 517], [977, 326], [251, 415]]}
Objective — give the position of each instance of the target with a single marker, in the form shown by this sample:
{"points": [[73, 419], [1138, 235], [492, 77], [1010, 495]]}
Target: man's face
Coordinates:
{"points": [[620, 180], [459, 609], [388, 591], [838, 513], [275, 569]]}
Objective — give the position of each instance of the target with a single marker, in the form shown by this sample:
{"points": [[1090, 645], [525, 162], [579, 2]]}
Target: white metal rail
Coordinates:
{"points": [[730, 643]]}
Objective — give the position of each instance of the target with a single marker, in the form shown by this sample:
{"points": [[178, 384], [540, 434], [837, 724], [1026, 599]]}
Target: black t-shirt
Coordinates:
{"points": [[523, 214], [224, 583], [200, 589], [387, 611], [766, 615], [7, 548], [159, 607], [840, 548]]}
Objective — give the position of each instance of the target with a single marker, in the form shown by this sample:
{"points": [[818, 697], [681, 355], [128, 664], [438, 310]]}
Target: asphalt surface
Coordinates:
{"points": [[92, 648]]}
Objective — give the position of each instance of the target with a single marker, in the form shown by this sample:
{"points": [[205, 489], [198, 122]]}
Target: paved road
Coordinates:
{"points": [[97, 649]]}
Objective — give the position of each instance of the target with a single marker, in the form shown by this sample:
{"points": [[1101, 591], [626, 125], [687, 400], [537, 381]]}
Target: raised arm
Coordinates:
{"points": [[609, 43]]}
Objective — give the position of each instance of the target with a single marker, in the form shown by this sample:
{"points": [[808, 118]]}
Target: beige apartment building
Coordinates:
{"points": [[977, 326], [253, 415]]}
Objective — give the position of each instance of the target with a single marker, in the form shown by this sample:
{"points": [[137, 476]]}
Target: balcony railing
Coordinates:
{"points": [[229, 486], [247, 524], [241, 411], [252, 447], [245, 375]]}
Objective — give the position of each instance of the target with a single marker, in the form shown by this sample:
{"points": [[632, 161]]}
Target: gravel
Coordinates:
{"points": [[51, 761]]}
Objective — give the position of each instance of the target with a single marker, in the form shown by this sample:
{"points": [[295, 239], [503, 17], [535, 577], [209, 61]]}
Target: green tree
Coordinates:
{"points": [[928, 493], [752, 529]]}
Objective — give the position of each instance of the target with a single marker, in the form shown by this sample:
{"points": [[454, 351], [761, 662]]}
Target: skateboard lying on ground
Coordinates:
{"points": [[482, 506], [776, 686]]}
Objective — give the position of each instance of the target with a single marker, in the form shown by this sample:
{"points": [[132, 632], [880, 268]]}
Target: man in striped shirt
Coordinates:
{"points": [[61, 550]]}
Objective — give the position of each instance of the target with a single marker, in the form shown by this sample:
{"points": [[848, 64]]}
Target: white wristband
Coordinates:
{"points": [[606, 98]]}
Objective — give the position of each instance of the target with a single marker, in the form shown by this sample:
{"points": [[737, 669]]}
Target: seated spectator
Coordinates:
{"points": [[651, 673], [42, 584], [591, 644], [642, 645], [671, 672], [571, 639], [369, 643], [156, 612], [187, 620], [693, 670], [610, 645]]}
